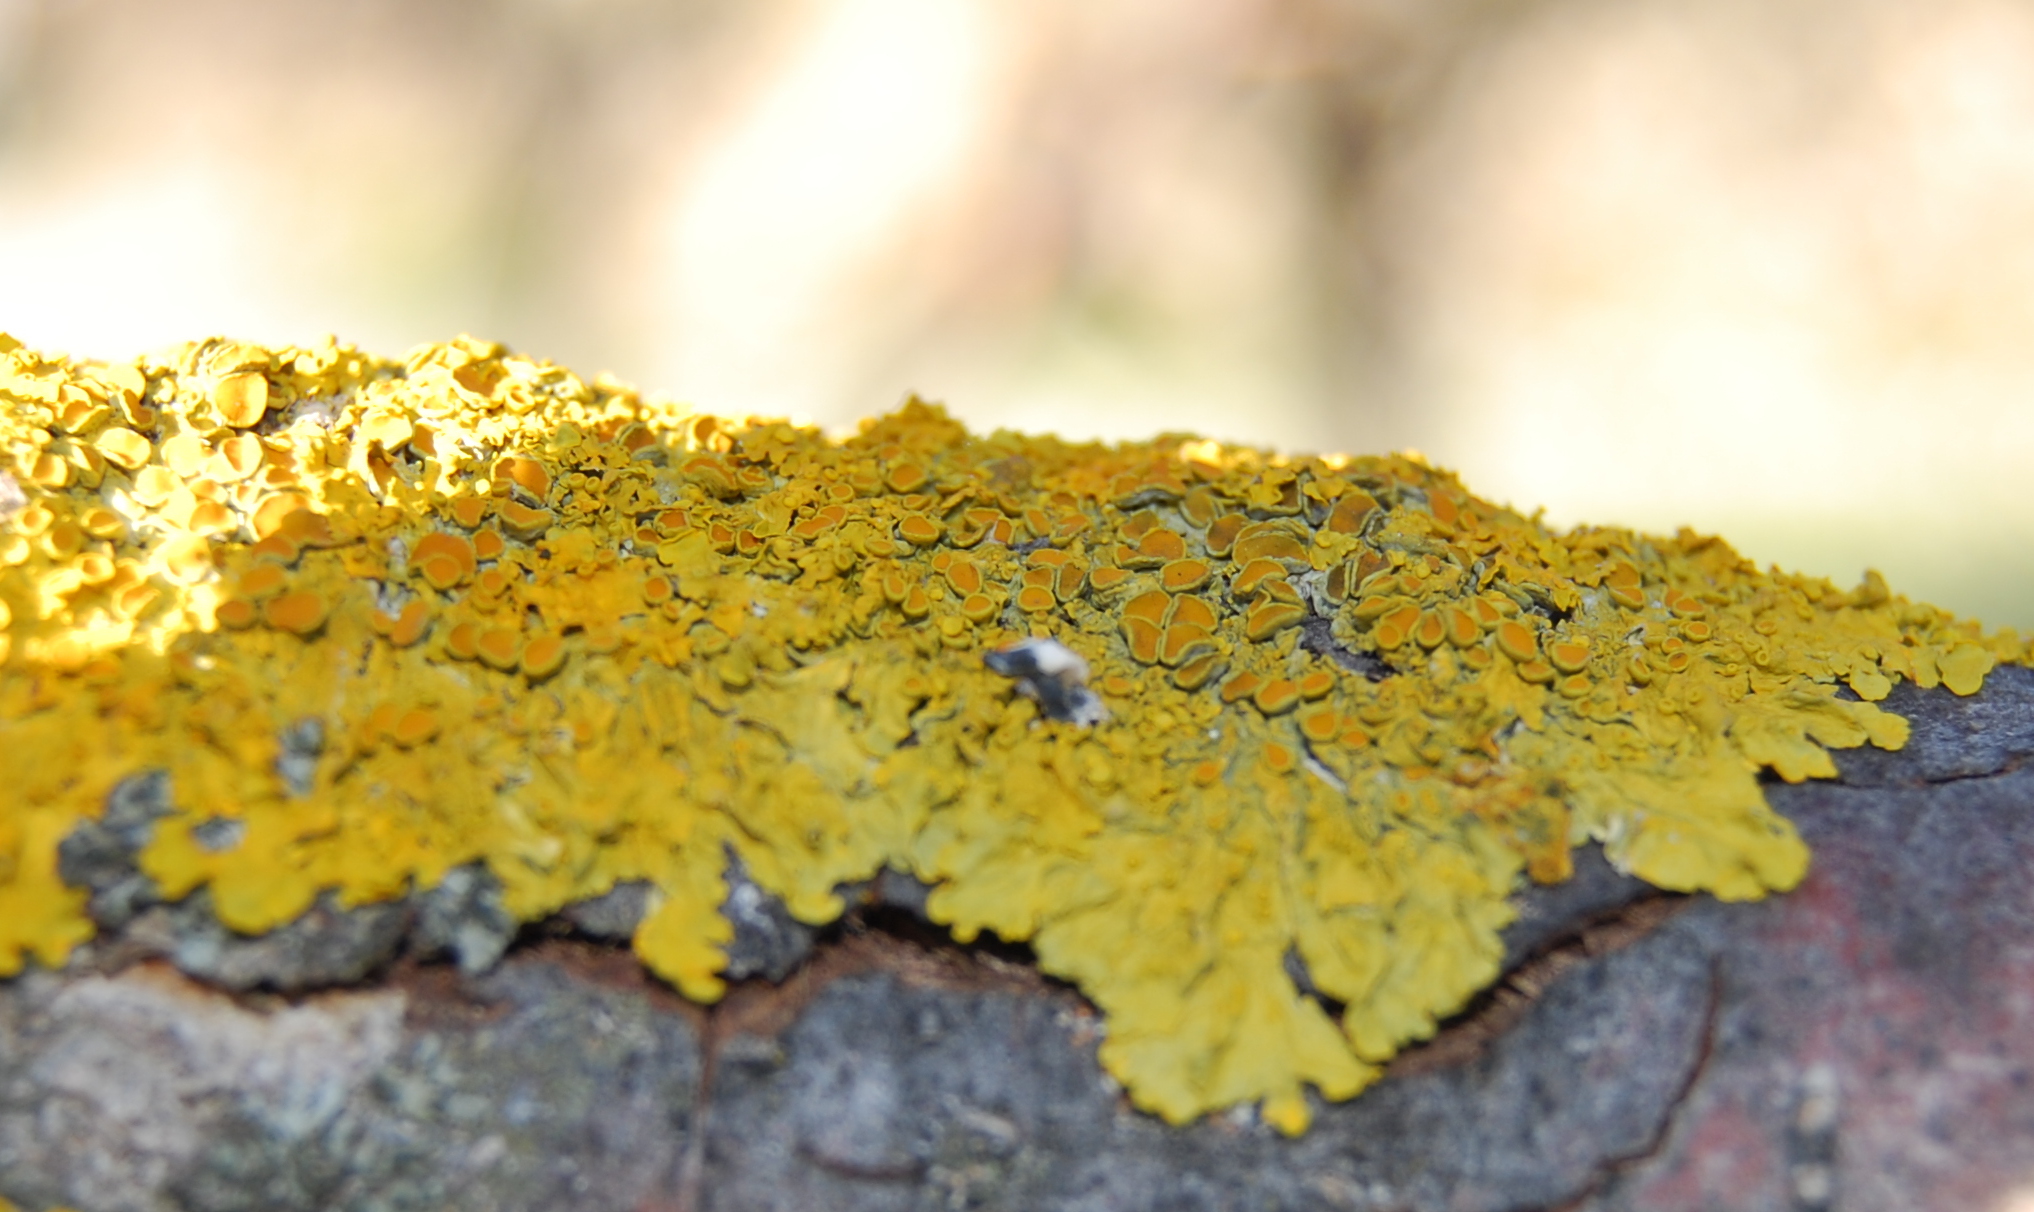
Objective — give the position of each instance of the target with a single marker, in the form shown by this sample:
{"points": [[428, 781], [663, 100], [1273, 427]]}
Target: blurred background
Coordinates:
{"points": [[1760, 267]]}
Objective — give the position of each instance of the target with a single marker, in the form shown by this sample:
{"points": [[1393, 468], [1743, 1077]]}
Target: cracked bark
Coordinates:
{"points": [[1649, 1151], [1866, 1042]]}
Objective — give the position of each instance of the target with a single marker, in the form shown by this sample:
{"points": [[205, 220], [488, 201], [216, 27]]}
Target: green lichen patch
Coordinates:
{"points": [[394, 618]]}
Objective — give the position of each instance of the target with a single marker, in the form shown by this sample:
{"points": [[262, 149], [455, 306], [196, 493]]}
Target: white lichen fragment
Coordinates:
{"points": [[1052, 675]]}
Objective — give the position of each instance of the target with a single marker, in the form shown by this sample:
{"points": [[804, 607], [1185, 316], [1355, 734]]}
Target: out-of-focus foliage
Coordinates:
{"points": [[1662, 262]]}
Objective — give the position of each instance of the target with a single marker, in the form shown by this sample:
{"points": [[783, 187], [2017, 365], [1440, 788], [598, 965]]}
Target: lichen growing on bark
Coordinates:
{"points": [[392, 618]]}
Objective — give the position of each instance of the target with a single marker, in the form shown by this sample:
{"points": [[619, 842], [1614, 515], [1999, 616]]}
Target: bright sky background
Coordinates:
{"points": [[1763, 267]]}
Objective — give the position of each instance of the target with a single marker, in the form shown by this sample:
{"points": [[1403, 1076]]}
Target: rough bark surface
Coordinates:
{"points": [[1866, 1042]]}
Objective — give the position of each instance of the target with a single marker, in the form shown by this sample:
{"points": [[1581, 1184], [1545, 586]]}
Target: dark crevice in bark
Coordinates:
{"points": [[1318, 637], [1705, 1046], [1496, 1010]]}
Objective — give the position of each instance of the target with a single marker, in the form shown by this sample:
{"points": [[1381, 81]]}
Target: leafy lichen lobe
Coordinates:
{"points": [[391, 618]]}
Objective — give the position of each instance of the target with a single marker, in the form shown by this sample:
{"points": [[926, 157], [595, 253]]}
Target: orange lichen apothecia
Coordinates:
{"points": [[1344, 706]]}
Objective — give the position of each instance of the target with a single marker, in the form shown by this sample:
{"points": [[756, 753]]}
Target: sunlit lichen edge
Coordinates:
{"points": [[585, 637]]}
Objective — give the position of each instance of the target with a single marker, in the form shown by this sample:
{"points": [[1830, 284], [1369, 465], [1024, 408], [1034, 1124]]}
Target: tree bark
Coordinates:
{"points": [[1864, 1042]]}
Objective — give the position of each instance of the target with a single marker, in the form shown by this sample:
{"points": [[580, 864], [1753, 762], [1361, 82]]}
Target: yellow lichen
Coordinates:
{"points": [[1345, 707]]}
